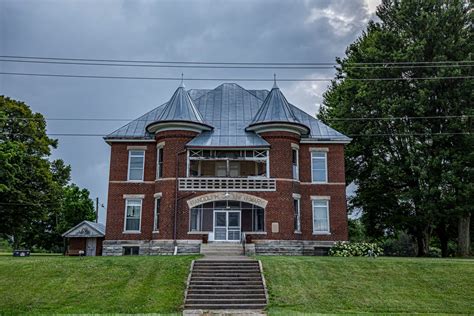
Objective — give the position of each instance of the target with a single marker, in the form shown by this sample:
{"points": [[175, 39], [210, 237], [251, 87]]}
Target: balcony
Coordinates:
{"points": [[227, 184]]}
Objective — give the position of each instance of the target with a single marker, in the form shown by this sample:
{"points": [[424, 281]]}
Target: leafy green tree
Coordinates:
{"points": [[76, 207], [412, 173], [35, 199]]}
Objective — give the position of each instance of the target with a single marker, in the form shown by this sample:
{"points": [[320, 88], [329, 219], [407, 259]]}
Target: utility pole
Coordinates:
{"points": [[97, 209]]}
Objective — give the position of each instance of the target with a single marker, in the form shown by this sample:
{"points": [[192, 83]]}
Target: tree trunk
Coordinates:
{"points": [[443, 239], [464, 234], [423, 242]]}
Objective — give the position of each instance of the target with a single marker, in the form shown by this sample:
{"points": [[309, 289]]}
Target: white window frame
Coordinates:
{"points": [[199, 219], [295, 148], [125, 231], [129, 165], [325, 164], [298, 203], [158, 148], [157, 198], [321, 199]]}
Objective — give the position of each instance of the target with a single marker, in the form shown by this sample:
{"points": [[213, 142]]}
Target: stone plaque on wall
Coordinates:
{"points": [[275, 227]]}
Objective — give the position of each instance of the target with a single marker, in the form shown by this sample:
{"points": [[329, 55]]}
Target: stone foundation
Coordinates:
{"points": [[151, 247], [259, 247], [292, 247]]}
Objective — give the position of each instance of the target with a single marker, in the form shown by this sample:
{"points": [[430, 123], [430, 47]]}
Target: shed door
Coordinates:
{"points": [[91, 244]]}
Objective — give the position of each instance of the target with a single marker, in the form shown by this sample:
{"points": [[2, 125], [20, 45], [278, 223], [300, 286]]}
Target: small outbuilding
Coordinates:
{"points": [[85, 239]]}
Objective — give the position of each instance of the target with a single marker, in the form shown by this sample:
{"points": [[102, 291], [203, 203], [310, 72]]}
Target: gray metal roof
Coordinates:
{"points": [[180, 108], [275, 108], [229, 108]]}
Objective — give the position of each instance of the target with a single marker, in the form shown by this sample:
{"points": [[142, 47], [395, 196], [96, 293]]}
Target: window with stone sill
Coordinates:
{"points": [[133, 210], [319, 172], [136, 165], [320, 217]]}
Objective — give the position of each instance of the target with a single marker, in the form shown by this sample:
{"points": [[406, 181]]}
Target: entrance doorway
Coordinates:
{"points": [[227, 225], [91, 246]]}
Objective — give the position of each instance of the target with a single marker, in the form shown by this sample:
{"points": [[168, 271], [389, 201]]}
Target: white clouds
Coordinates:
{"points": [[372, 5], [343, 16], [341, 24], [306, 95]]}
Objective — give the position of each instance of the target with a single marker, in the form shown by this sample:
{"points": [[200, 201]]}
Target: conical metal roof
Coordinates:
{"points": [[179, 113], [180, 108], [276, 109]]}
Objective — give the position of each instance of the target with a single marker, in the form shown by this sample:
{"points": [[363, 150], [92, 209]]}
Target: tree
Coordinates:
{"points": [[34, 191], [412, 173], [77, 206]]}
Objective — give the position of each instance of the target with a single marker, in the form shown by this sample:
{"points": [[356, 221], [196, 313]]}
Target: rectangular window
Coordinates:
{"points": [[133, 211], [159, 163], [156, 223], [319, 166], [297, 215], [320, 216], [131, 251], [258, 219], [136, 164], [196, 219], [295, 163]]}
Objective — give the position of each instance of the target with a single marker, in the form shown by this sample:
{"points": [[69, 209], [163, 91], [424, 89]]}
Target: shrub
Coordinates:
{"points": [[356, 249], [400, 245], [434, 252]]}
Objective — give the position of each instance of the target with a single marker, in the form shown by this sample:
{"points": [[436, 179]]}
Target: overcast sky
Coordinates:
{"points": [[217, 31]]}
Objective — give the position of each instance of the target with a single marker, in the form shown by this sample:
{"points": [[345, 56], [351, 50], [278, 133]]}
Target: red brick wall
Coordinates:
{"points": [[174, 143], [281, 153], [280, 203]]}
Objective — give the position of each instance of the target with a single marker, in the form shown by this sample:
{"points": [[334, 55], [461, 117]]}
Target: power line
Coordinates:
{"points": [[229, 79], [350, 135], [331, 119], [234, 63], [385, 66]]}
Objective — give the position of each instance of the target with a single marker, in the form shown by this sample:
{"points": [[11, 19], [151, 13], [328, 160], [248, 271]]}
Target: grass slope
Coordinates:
{"points": [[93, 284], [361, 285]]}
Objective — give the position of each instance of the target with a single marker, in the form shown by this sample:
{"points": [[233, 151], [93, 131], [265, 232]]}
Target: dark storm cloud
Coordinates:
{"points": [[249, 31]]}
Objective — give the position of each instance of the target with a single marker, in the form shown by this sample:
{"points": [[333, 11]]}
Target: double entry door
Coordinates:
{"points": [[227, 225]]}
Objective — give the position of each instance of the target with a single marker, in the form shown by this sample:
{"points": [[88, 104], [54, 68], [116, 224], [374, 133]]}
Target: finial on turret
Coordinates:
{"points": [[274, 81], [182, 81]]}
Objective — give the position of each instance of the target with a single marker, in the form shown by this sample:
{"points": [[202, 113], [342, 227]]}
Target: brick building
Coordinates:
{"points": [[224, 165]]}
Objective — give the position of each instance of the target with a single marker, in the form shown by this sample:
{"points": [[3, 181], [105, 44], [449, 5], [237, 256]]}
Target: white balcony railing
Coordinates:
{"points": [[225, 184]]}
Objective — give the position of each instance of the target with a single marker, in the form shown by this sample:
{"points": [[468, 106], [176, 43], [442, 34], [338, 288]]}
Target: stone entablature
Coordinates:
{"points": [[231, 196]]}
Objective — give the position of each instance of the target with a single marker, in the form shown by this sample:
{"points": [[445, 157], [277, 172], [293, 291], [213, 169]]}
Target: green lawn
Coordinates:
{"points": [[156, 284], [361, 285], [145, 284]]}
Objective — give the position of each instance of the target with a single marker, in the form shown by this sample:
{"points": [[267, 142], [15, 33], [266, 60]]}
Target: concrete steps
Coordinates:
{"points": [[222, 249], [225, 284]]}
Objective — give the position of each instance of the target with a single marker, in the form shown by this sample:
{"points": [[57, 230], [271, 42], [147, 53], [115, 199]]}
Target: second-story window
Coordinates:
{"points": [[159, 162], [319, 166], [294, 158], [136, 164], [228, 163]]}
